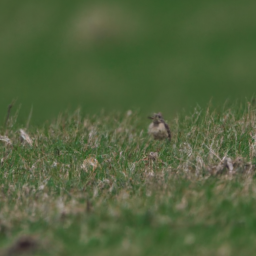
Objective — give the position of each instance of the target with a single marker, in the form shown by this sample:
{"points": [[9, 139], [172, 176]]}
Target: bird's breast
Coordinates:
{"points": [[158, 131]]}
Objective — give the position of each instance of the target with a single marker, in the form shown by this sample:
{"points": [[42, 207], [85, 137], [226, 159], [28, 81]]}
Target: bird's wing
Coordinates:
{"points": [[168, 130]]}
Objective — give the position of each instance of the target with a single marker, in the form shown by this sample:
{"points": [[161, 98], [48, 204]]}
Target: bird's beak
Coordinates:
{"points": [[150, 117]]}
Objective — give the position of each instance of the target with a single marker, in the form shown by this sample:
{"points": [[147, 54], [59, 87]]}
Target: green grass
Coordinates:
{"points": [[128, 54], [120, 208]]}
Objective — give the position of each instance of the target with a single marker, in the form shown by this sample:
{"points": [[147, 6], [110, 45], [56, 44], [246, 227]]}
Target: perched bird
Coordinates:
{"points": [[159, 129]]}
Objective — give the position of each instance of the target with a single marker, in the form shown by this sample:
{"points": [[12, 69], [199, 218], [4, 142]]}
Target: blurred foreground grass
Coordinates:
{"points": [[85, 185], [124, 55]]}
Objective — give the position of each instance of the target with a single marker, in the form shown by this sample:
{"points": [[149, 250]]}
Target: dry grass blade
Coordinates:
{"points": [[239, 165], [153, 156], [8, 113], [6, 140], [25, 137], [229, 164], [90, 162]]}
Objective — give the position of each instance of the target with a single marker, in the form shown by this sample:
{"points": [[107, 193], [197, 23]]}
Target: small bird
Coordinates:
{"points": [[159, 128]]}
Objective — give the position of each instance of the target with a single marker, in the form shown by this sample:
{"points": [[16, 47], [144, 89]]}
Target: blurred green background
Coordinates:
{"points": [[119, 55]]}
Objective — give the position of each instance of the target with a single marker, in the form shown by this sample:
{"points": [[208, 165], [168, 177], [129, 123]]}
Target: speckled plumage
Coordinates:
{"points": [[159, 129]]}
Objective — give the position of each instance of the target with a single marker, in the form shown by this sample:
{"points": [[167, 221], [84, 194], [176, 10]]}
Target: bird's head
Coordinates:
{"points": [[157, 118]]}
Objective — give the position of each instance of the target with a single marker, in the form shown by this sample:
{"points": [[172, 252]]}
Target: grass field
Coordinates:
{"points": [[84, 184], [164, 56]]}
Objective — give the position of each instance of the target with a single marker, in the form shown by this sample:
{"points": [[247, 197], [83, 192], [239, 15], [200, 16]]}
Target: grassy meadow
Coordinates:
{"points": [[78, 172], [88, 184], [165, 56]]}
